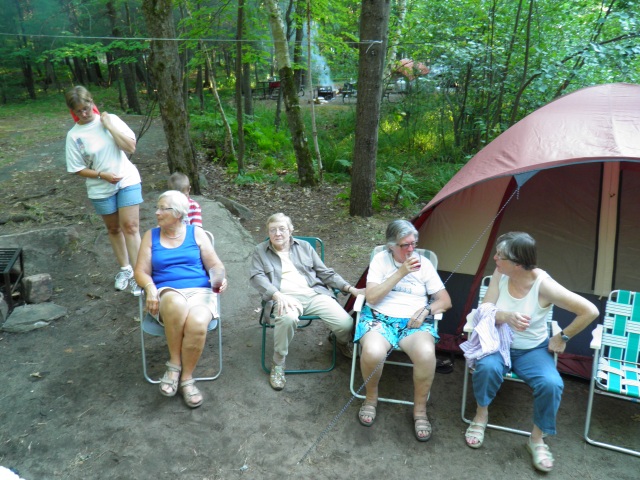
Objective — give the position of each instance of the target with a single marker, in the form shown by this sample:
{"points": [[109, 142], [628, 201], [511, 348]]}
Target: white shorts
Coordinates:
{"points": [[194, 297]]}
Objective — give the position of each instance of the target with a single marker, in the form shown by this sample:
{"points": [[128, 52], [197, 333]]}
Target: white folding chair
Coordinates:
{"points": [[616, 359], [357, 307], [553, 327], [150, 326]]}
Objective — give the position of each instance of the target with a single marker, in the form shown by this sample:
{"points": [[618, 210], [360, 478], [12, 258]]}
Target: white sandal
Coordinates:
{"points": [[172, 383], [540, 452]]}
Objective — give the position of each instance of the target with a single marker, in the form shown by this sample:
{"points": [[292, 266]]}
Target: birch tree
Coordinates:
{"points": [[306, 174]]}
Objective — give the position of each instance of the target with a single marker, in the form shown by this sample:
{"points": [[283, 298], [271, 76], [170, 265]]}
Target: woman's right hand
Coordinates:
{"points": [[410, 265], [152, 302]]}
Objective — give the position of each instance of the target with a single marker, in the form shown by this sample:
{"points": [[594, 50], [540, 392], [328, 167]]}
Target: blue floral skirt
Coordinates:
{"points": [[393, 329]]}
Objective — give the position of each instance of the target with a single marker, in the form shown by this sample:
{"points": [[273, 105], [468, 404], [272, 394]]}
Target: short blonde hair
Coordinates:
{"points": [[178, 201], [280, 217], [78, 96], [179, 181]]}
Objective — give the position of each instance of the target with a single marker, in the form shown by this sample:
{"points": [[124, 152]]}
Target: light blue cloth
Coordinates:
{"points": [[393, 329]]}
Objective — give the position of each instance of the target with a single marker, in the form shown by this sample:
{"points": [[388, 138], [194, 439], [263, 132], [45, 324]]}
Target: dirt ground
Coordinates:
{"points": [[74, 404]]}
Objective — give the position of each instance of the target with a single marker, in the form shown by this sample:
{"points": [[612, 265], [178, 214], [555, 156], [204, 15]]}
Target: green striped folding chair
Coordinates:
{"points": [[616, 358]]}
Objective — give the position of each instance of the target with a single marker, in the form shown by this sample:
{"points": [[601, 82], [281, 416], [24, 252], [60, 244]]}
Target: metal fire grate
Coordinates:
{"points": [[8, 259]]}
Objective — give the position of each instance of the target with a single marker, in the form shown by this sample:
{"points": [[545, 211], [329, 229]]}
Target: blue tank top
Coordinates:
{"points": [[179, 267]]}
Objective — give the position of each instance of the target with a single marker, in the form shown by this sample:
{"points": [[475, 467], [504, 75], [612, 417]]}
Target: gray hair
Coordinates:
{"points": [[280, 217], [178, 201], [399, 229]]}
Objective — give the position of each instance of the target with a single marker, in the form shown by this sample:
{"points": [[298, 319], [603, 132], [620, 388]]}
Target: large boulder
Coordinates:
{"points": [[30, 317]]}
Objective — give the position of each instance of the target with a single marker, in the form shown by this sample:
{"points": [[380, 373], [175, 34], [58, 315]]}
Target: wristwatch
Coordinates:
{"points": [[565, 338]]}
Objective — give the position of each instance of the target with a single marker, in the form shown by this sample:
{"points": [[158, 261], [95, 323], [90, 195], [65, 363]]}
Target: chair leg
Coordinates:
{"points": [[465, 389], [357, 394], [292, 372], [219, 371], [587, 424], [144, 359]]}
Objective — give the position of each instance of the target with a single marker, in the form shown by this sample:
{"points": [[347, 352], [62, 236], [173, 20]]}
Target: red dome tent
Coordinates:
{"points": [[568, 174]]}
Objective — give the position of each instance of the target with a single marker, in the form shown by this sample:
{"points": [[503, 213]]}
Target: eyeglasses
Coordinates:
{"points": [[164, 209], [274, 230], [84, 110], [404, 246]]}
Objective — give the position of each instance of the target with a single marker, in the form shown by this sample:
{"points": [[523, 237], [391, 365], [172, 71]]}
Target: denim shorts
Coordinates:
{"points": [[124, 197]]}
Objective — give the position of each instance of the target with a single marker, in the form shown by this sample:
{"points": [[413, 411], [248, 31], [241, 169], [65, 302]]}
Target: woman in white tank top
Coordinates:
{"points": [[523, 294]]}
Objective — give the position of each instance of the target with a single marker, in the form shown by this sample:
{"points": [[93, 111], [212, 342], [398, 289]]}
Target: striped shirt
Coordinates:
{"points": [[195, 213]]}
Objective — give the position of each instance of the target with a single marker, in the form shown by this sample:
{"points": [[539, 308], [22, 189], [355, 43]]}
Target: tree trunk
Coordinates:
{"points": [[165, 65], [297, 48], [128, 68], [306, 174], [25, 61], [239, 76], [374, 21], [246, 87]]}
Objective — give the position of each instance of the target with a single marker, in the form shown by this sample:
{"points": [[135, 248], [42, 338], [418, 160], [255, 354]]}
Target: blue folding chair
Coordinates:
{"points": [[150, 326]]}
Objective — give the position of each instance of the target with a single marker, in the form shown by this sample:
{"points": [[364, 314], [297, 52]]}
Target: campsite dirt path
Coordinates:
{"points": [[74, 405]]}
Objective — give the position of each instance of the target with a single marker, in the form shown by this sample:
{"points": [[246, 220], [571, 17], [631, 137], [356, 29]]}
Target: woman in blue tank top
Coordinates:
{"points": [[172, 269]]}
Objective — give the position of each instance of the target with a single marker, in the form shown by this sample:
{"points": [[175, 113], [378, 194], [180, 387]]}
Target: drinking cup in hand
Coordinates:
{"points": [[415, 262], [216, 275]]}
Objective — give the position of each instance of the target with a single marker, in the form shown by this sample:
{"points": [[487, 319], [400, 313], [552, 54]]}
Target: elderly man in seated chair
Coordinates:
{"points": [[291, 274]]}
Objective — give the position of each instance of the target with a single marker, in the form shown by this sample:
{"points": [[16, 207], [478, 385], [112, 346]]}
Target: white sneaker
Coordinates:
{"points": [[133, 285], [122, 278]]}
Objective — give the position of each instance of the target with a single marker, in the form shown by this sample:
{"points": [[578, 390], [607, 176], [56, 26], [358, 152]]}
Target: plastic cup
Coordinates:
{"points": [[216, 276], [416, 261]]}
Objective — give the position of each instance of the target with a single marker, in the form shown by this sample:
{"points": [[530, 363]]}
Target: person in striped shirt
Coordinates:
{"points": [[179, 181]]}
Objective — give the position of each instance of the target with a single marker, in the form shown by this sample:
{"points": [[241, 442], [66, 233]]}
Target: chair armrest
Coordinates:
{"points": [[137, 291], [468, 326], [555, 328], [596, 342], [358, 304]]}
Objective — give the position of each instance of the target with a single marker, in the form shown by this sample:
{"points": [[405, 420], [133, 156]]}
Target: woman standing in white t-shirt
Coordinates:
{"points": [[403, 293], [96, 149]]}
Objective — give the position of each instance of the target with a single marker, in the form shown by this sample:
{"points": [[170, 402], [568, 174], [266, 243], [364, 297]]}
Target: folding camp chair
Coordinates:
{"points": [[150, 326], [357, 307], [553, 327], [266, 315], [616, 358]]}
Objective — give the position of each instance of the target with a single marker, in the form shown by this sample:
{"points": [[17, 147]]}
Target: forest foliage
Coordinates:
{"points": [[489, 62]]}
